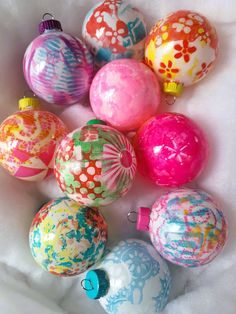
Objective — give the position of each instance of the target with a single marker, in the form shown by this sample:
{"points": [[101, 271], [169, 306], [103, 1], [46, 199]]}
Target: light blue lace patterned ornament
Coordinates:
{"points": [[138, 279]]}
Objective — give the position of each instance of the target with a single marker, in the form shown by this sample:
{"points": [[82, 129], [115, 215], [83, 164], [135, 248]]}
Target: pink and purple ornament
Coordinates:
{"points": [[171, 149], [58, 67], [186, 227], [125, 93], [114, 29], [95, 164]]}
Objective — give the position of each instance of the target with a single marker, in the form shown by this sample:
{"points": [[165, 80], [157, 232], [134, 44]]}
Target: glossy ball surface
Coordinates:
{"points": [[113, 30], [66, 238], [171, 149], [95, 165], [187, 227], [135, 269], [58, 68], [28, 140], [182, 47], [125, 93]]}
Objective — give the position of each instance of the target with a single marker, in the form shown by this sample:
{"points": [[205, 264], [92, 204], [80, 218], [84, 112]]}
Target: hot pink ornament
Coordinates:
{"points": [[125, 93], [171, 149]]}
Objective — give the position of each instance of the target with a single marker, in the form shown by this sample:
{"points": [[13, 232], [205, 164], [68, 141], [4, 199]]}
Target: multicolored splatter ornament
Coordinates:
{"points": [[171, 149], [181, 49], [132, 278], [57, 66], [125, 93], [95, 165], [66, 238], [113, 30], [186, 227], [28, 140]]}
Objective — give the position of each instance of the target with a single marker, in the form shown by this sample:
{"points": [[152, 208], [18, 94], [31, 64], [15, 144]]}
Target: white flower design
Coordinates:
{"points": [[99, 17], [119, 164], [115, 35], [196, 17], [183, 25]]}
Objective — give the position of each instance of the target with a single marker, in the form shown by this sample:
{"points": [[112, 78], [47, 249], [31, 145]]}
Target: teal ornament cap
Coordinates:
{"points": [[96, 284]]}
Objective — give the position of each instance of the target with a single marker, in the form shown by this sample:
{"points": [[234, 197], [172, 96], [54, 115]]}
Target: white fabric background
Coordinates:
{"points": [[24, 287]]}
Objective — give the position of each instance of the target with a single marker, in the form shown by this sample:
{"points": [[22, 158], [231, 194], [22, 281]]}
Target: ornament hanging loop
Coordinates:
{"points": [[170, 99], [49, 14], [28, 93], [132, 216], [83, 286]]}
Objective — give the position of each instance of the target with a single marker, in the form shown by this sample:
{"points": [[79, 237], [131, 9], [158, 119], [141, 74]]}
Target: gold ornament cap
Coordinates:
{"points": [[29, 103], [173, 88]]}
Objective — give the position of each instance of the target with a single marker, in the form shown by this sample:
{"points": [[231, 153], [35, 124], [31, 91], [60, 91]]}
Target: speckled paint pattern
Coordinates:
{"points": [[187, 227], [66, 238]]}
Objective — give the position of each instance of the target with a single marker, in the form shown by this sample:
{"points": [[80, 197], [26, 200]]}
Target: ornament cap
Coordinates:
{"points": [[173, 88], [29, 103], [96, 121], [96, 283], [143, 218], [49, 24]]}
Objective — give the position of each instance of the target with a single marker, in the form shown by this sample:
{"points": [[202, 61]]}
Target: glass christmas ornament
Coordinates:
{"points": [[113, 30], [171, 149], [125, 93], [66, 238], [186, 227], [28, 140], [57, 66], [181, 49], [95, 164], [132, 278]]}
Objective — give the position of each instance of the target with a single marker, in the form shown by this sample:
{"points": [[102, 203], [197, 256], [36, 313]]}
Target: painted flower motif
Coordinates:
{"points": [[204, 70], [158, 41], [184, 51], [183, 25], [168, 69], [204, 36], [115, 35], [88, 135], [138, 263], [112, 4], [119, 164], [164, 30], [197, 17], [98, 16], [148, 62]]}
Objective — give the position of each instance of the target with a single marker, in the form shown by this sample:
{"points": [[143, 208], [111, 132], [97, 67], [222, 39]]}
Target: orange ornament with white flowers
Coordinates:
{"points": [[181, 49]]}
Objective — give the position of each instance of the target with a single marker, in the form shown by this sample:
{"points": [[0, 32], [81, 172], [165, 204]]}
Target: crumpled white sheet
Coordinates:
{"points": [[24, 287]]}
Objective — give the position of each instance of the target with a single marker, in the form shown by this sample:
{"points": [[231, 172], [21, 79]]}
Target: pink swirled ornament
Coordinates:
{"points": [[125, 93]]}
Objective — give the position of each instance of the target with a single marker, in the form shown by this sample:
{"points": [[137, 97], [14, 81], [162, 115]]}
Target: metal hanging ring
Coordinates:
{"points": [[29, 93], [45, 14], [133, 214], [170, 99], [103, 233], [82, 284]]}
